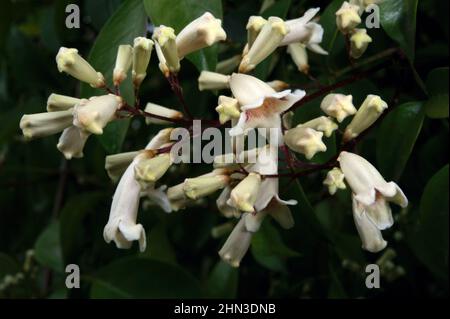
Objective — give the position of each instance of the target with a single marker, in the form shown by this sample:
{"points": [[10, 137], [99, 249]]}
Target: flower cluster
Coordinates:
{"points": [[248, 180]]}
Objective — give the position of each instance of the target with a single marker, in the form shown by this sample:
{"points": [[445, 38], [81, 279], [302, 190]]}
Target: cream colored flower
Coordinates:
{"points": [[266, 42], [227, 210], [213, 81], [299, 56], [359, 41], [278, 85], [151, 167], [244, 195], [94, 114], [371, 197], [159, 110], [321, 123], [305, 140], [57, 102], [228, 109], [195, 188], [338, 106], [142, 50], [165, 42], [254, 27], [116, 164], [45, 124], [371, 109], [334, 180], [123, 63], [70, 62], [71, 142], [200, 33], [347, 17]]}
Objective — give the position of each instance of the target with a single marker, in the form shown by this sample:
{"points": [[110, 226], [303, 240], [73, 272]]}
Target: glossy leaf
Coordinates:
{"points": [[182, 12], [143, 278], [128, 22], [398, 19], [223, 281], [48, 248], [437, 85], [396, 138]]}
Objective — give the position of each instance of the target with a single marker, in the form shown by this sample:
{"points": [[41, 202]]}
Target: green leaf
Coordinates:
{"points": [[160, 247], [72, 215], [8, 266], [437, 85], [396, 138], [128, 22], [177, 14], [223, 281], [135, 277], [398, 18], [48, 248], [430, 240], [269, 249]]}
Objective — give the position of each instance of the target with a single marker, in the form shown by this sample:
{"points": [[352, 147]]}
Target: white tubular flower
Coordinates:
{"points": [[200, 33], [305, 140], [115, 165], [57, 102], [321, 123], [371, 197], [177, 197], [227, 210], [71, 142], [165, 41], [121, 227], [359, 41], [228, 109], [260, 104], [213, 81], [299, 56], [267, 164], [45, 124], [334, 180], [278, 85], [156, 109], [303, 30], [142, 51], [158, 197], [244, 195], [347, 17], [94, 114], [338, 106], [281, 213], [151, 168], [266, 42], [238, 242], [371, 109], [204, 185], [227, 66], [123, 63], [254, 27], [70, 62]]}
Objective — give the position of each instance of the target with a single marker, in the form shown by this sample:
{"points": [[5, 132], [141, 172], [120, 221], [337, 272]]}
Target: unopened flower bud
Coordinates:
{"points": [[228, 109], [347, 17], [71, 142], [202, 186], [94, 114], [359, 41], [321, 123], [278, 85], [165, 39], [334, 180], [237, 244], [244, 195], [371, 109], [227, 210], [305, 140], [70, 62], [45, 124], [150, 168], [299, 56], [266, 42], [200, 33], [57, 102], [142, 51], [161, 111], [213, 81], [254, 26], [338, 106], [115, 165], [123, 63]]}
